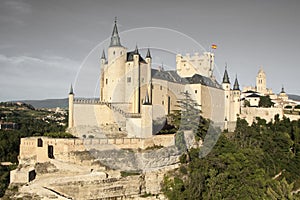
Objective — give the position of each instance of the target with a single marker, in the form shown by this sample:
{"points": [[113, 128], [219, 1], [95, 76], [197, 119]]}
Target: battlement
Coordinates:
{"points": [[88, 101], [189, 65]]}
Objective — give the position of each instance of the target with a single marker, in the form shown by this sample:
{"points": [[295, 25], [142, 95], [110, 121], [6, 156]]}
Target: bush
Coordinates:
{"points": [[288, 107], [154, 147], [130, 173], [59, 135]]}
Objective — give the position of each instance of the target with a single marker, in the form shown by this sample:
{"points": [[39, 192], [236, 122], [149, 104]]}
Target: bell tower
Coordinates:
{"points": [[261, 83]]}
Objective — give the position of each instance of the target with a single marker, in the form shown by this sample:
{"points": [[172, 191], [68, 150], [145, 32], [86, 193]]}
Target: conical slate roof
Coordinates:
{"points": [[115, 39], [226, 77], [148, 54], [236, 85]]}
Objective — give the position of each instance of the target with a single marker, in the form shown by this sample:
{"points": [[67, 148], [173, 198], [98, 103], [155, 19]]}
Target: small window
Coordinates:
{"points": [[106, 81], [128, 79], [196, 91], [162, 102], [40, 142], [160, 87], [143, 79], [227, 96], [114, 52], [121, 53]]}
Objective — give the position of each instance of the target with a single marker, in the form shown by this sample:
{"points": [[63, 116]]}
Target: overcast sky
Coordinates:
{"points": [[47, 45]]}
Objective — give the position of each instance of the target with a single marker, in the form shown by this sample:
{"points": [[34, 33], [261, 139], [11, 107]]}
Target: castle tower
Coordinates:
{"points": [[147, 118], [226, 87], [261, 83], [137, 92], [236, 104], [71, 108], [149, 77], [114, 70], [103, 61]]}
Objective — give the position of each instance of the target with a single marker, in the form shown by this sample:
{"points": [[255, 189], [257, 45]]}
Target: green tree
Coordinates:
{"points": [[265, 101]]}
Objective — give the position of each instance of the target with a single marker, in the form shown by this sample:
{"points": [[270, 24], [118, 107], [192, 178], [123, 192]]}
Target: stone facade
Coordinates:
{"points": [[133, 95]]}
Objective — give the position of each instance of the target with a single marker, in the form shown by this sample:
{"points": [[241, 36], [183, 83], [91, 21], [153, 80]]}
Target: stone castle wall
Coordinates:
{"points": [[250, 113], [38, 149]]}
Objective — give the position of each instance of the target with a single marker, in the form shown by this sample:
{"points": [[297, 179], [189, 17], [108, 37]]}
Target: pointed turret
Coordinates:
{"points": [[226, 77], [236, 85], [103, 55], [147, 99], [71, 108], [71, 90], [136, 51], [148, 54], [115, 39]]}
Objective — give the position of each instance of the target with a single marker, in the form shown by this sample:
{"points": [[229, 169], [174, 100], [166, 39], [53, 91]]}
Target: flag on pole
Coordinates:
{"points": [[214, 46]]}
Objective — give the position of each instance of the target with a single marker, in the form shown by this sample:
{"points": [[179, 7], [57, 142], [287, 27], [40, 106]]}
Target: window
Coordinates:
{"points": [[162, 102], [121, 53], [40, 142], [128, 79], [160, 87], [196, 91], [114, 52], [143, 79], [106, 81]]}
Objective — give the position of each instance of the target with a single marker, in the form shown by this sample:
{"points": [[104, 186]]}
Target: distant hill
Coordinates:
{"points": [[47, 103], [294, 97]]}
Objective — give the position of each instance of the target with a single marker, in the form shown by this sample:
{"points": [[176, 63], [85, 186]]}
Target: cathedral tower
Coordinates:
{"points": [[261, 83]]}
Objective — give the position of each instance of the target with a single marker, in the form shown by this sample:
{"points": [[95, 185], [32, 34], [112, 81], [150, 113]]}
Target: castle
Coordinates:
{"points": [[134, 96]]}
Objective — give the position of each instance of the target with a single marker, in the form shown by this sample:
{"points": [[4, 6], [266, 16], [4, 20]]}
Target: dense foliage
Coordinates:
{"points": [[265, 101], [260, 161], [30, 122]]}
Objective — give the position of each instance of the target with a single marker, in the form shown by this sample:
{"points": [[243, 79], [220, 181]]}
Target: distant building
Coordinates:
{"points": [[8, 125]]}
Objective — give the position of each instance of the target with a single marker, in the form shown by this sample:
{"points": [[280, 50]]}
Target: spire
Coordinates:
{"points": [[147, 99], [103, 55], [148, 54], [115, 39], [236, 85], [282, 89], [226, 77], [71, 90], [136, 51]]}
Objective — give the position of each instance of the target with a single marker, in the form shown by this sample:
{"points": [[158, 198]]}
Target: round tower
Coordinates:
{"points": [[149, 76], [71, 108], [114, 81], [226, 88], [103, 61], [236, 104]]}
